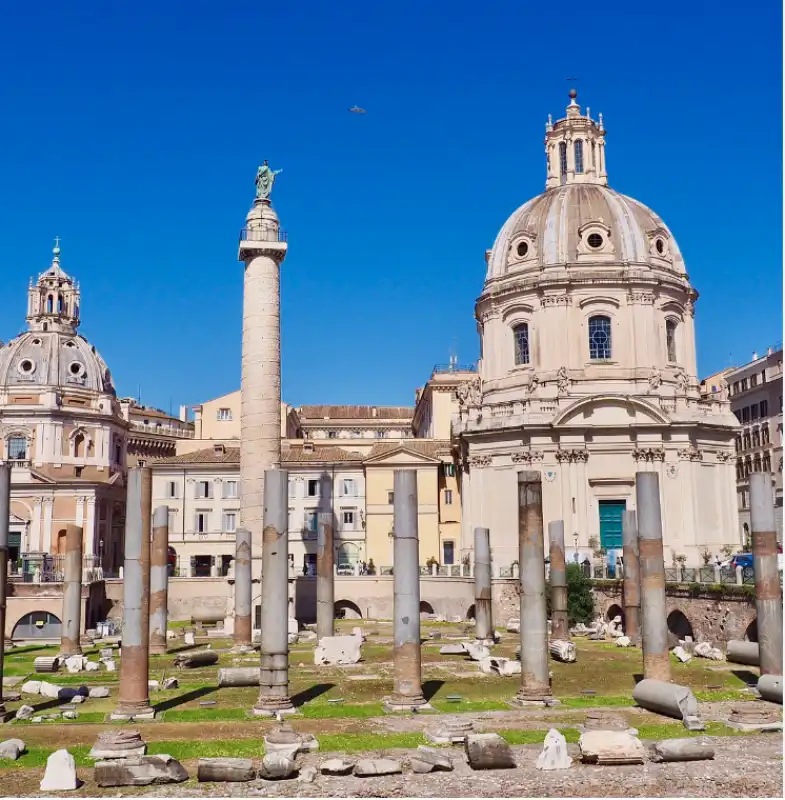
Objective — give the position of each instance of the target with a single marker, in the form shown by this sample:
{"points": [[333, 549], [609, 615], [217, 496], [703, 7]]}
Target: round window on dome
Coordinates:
{"points": [[523, 249], [76, 369], [26, 366], [69, 344], [660, 245], [595, 240], [36, 342]]}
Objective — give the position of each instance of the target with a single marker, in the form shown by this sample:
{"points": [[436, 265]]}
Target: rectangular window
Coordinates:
{"points": [[755, 411], [224, 415], [448, 553], [764, 408], [332, 434], [753, 381], [744, 384], [736, 388], [231, 490], [171, 489], [349, 487], [204, 490], [745, 414], [201, 522], [292, 488], [311, 521], [348, 520], [599, 338], [521, 334], [313, 487], [448, 497], [670, 339], [172, 520], [390, 498], [449, 470], [17, 448], [230, 522]]}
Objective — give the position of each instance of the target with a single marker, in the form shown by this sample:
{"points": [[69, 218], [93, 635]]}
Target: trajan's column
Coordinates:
{"points": [[262, 248]]}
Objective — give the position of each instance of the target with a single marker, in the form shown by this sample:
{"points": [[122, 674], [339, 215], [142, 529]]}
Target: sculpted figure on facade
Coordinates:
{"points": [[682, 382], [469, 393], [655, 380], [265, 180], [562, 380]]}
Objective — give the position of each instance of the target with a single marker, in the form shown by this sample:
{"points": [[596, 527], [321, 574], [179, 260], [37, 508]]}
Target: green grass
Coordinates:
{"points": [[210, 714], [471, 705], [85, 718], [340, 711]]}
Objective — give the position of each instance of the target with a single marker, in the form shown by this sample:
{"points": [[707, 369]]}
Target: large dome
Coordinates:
{"points": [[51, 358], [582, 223]]}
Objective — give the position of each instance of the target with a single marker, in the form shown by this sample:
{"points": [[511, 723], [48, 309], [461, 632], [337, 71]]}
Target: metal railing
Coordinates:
{"points": [[442, 368], [162, 430], [44, 568], [262, 235], [710, 575]]}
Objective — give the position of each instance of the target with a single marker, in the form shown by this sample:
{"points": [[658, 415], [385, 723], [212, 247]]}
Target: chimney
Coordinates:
{"points": [[307, 447], [219, 449]]}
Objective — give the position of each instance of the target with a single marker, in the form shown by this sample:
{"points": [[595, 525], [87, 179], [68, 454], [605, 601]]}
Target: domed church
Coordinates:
{"points": [[62, 430], [587, 369]]}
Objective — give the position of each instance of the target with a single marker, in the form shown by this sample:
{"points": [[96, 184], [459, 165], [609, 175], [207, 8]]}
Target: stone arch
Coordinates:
{"points": [[751, 634], [37, 625], [346, 609], [426, 607], [615, 610], [61, 535], [470, 612], [79, 445], [679, 625]]}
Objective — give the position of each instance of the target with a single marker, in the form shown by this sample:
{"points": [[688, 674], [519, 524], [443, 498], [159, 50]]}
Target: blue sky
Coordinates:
{"points": [[133, 131]]}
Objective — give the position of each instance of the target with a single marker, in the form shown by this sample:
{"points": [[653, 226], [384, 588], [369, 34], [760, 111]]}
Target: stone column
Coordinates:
{"points": [[72, 593], [654, 625], [274, 680], [159, 581], [325, 586], [407, 679], [260, 402], [483, 604], [133, 699], [243, 592], [559, 622], [535, 680], [768, 594], [632, 578], [5, 518]]}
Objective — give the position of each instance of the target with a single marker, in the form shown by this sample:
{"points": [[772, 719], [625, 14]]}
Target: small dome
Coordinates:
{"points": [[52, 359], [582, 223]]}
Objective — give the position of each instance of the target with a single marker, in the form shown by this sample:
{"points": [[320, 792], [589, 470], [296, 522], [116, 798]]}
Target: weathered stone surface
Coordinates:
{"points": [[31, 687], [109, 664], [60, 773], [276, 766], [367, 767], [610, 747], [46, 664], [12, 749], [92, 666], [307, 775], [24, 712], [228, 770], [70, 715], [554, 753], [488, 751], [170, 683], [562, 650], [141, 771], [705, 650], [770, 688], [75, 663], [294, 626], [49, 690], [97, 692], [118, 743], [452, 650], [682, 750], [336, 766], [190, 638], [428, 759], [153, 686], [505, 667], [681, 654], [624, 641], [337, 650], [202, 658], [477, 652], [435, 635], [514, 626]]}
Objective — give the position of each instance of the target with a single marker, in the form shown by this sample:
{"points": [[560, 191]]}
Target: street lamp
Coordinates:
{"points": [[575, 542]]}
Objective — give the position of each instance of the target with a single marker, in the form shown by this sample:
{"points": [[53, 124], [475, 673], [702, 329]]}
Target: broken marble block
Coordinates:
{"points": [[610, 747], [488, 751], [60, 773], [140, 771], [705, 650], [429, 759], [554, 753], [477, 652], [336, 766], [118, 743], [623, 641], [514, 626], [368, 767], [681, 654], [276, 766], [452, 650], [75, 663], [11, 749], [337, 650]]}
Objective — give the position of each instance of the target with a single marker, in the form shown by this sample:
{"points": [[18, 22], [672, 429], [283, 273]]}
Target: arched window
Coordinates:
{"points": [[78, 445], [599, 338], [756, 463], [594, 157], [563, 158], [747, 440], [521, 335], [739, 470], [50, 304], [578, 155], [767, 462], [765, 434], [670, 339], [59, 304]]}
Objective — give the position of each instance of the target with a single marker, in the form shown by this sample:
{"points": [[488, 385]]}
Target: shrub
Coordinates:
{"points": [[580, 601]]}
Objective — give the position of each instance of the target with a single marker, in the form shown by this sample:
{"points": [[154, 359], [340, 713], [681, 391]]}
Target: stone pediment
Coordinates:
{"points": [[400, 456], [611, 411]]}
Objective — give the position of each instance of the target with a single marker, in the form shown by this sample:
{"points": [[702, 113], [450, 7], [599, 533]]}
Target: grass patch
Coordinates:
{"points": [[210, 714], [536, 737], [340, 711], [592, 701], [471, 705]]}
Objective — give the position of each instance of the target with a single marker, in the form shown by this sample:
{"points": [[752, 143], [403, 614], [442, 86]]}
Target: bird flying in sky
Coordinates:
{"points": [[357, 110]]}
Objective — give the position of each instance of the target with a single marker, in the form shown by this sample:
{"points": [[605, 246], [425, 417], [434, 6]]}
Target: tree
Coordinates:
{"points": [[580, 601]]}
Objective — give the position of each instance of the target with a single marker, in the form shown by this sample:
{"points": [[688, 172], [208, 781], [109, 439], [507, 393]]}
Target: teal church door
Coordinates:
{"points": [[611, 513]]}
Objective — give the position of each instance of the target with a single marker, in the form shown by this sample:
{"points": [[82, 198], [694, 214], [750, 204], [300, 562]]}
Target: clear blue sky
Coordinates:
{"points": [[133, 131]]}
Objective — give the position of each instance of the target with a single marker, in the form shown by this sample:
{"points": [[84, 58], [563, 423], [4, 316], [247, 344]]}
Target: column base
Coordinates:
{"points": [[242, 649], [264, 711], [119, 713], [487, 642], [533, 702], [402, 705], [158, 651]]}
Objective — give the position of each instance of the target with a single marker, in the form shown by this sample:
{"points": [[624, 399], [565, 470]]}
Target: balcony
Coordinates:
{"points": [[40, 568], [162, 430], [262, 235]]}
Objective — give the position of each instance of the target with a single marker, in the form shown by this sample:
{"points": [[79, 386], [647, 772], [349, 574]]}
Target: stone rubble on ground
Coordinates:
{"points": [[337, 650], [190, 638], [12, 749], [139, 771], [49, 690], [153, 686], [514, 626], [452, 650], [336, 766], [554, 753], [367, 767], [75, 663], [227, 770], [610, 748], [624, 641], [705, 650], [92, 666], [31, 687], [681, 654], [70, 715], [307, 775], [477, 652], [453, 731], [24, 712], [562, 650], [170, 683], [429, 759], [276, 766], [60, 773], [109, 664], [118, 743], [488, 751], [614, 627], [97, 692]]}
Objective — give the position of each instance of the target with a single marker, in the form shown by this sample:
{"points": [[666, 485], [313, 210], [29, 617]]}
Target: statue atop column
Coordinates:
{"points": [[265, 179]]}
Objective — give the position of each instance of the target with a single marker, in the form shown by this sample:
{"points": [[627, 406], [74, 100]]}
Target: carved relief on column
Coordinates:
{"points": [[572, 456], [479, 461], [527, 457], [690, 454], [650, 454], [723, 456]]}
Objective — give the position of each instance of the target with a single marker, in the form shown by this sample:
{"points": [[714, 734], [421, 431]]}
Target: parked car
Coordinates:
{"points": [[742, 560]]}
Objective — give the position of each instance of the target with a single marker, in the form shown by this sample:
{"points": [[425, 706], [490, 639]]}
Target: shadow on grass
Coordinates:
{"points": [[637, 677], [301, 698], [173, 702], [49, 703], [746, 676], [183, 649], [430, 688]]}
